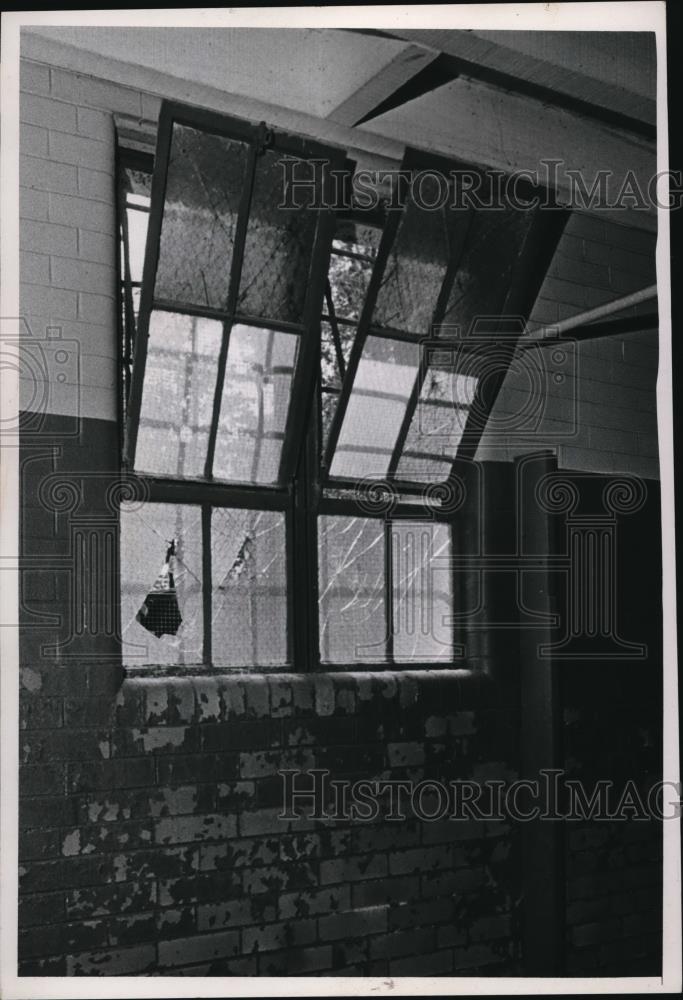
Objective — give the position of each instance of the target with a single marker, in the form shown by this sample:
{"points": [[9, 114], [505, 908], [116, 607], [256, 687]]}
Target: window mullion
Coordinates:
{"points": [[389, 588], [235, 274], [207, 585], [303, 553]]}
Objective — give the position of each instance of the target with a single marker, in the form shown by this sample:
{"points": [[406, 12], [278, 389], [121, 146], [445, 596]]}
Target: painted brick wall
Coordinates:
{"points": [[597, 400], [151, 839]]}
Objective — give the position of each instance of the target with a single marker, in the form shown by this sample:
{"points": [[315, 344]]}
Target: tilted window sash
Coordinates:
{"points": [[234, 279], [423, 374]]}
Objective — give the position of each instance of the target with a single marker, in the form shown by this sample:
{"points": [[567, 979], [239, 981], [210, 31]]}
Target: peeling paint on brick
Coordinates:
{"points": [[31, 679], [72, 843]]}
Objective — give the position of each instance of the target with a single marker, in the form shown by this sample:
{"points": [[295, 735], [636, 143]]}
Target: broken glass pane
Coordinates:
{"points": [[349, 279], [437, 426], [137, 238], [352, 577], [494, 243], [355, 237], [384, 381], [177, 396], [249, 588], [136, 186], [146, 532], [277, 251], [206, 177], [422, 592], [254, 404], [416, 267]]}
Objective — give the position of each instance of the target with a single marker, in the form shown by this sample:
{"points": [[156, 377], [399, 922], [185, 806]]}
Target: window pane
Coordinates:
{"points": [[416, 266], [137, 238], [437, 426], [349, 280], [278, 247], [254, 404], [494, 243], [177, 397], [422, 592], [384, 381], [351, 588], [249, 588], [136, 186], [206, 177], [146, 531], [354, 237]]}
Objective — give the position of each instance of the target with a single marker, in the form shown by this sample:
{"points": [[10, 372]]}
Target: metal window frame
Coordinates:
{"points": [[301, 498], [413, 159], [401, 513], [257, 138], [209, 494], [529, 271]]}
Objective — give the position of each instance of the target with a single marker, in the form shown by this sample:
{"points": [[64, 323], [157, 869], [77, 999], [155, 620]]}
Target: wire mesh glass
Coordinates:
{"points": [[351, 574], [205, 182], [145, 534], [278, 247], [381, 389], [416, 266], [494, 243], [437, 426], [254, 404], [248, 588], [177, 395], [422, 599]]}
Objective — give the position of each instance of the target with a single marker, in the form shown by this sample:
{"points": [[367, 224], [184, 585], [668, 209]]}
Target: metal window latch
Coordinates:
{"points": [[264, 138]]}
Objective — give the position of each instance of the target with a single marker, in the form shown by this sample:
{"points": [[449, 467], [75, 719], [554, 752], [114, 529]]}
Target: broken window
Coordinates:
{"points": [[385, 591], [274, 356]]}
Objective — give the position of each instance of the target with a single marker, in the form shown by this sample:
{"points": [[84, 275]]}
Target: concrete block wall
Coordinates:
{"points": [[597, 399], [67, 232]]}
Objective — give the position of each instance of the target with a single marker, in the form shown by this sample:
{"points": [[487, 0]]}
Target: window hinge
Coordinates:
{"points": [[264, 138]]}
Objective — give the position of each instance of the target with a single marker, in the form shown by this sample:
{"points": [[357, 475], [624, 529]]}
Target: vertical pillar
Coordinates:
{"points": [[543, 902]]}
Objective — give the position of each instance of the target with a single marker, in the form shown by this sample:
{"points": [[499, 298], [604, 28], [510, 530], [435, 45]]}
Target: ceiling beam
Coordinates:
{"points": [[487, 68], [390, 79], [508, 132]]}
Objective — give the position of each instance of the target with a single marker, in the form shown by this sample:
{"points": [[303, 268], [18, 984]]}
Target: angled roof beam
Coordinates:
{"points": [[459, 66], [391, 79]]}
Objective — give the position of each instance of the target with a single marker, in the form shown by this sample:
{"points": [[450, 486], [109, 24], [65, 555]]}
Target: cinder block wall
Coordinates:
{"points": [[149, 841], [597, 401]]}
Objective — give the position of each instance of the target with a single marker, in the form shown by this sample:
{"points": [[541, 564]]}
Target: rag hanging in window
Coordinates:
{"points": [[160, 613]]}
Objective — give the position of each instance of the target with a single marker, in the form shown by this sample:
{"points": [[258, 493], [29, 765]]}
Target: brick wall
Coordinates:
{"points": [[151, 840]]}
